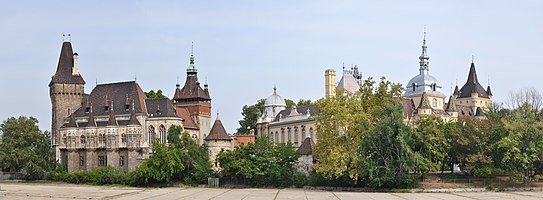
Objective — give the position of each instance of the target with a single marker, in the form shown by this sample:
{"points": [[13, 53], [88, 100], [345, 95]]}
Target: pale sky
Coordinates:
{"points": [[245, 47]]}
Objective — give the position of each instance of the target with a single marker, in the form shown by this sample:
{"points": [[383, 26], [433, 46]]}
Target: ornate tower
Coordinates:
{"points": [[65, 90], [195, 100]]}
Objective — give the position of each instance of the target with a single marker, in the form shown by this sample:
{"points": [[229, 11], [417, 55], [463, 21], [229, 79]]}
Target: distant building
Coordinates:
{"points": [[194, 104], [350, 81], [284, 125], [242, 139], [115, 125], [216, 141], [306, 161]]}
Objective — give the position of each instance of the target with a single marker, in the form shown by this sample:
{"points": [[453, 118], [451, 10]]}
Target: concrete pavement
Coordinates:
{"points": [[11, 191]]}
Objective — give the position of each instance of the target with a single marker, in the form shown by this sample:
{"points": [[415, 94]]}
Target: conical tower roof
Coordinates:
{"points": [[306, 148], [112, 121], [424, 102], [91, 122], [64, 73], [218, 132], [133, 120]]}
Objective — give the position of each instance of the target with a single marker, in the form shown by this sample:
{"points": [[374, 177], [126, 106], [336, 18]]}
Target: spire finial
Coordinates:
{"points": [[472, 58], [192, 48], [274, 89], [424, 56], [191, 68]]}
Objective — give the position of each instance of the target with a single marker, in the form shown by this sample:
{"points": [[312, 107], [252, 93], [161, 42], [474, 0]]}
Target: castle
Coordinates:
{"points": [[116, 124]]}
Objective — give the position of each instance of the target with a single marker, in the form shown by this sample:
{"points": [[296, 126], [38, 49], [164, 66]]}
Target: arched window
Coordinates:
{"points": [[123, 138], [83, 139], [152, 134], [276, 137], [271, 137], [296, 140], [283, 135], [435, 102], [311, 133], [289, 135], [101, 138], [413, 86], [64, 139], [162, 131]]}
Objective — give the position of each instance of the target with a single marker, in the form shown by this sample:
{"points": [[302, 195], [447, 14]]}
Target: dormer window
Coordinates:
{"points": [[434, 87], [127, 107], [414, 86], [107, 108], [87, 109]]}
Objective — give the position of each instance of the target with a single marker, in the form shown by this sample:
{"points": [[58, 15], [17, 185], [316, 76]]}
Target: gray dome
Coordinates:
{"points": [[422, 83], [272, 106]]}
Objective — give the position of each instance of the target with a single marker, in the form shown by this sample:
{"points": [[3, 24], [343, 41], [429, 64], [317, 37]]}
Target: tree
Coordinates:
{"points": [[260, 163], [250, 116], [24, 148], [430, 143], [343, 121], [195, 158], [523, 143], [155, 95], [527, 96], [302, 103], [386, 157]]}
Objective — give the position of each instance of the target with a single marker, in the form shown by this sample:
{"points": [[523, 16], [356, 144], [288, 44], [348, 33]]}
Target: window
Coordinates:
{"points": [[435, 103], [434, 87], [289, 135], [83, 139], [276, 137], [123, 138], [311, 133], [271, 137], [64, 139], [152, 134], [282, 135], [121, 161], [101, 138], [303, 132], [81, 160], [296, 135], [413, 86], [162, 131], [102, 161]]}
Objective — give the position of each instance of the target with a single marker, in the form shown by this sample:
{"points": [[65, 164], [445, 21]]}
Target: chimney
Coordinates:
{"points": [[330, 83], [75, 69]]}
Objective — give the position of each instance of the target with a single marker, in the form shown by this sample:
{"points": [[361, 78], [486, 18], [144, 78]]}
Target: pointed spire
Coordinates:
{"points": [[472, 76], [91, 122], [451, 106], [192, 67], [424, 102], [72, 122], [133, 120], [424, 68], [112, 121], [65, 69], [488, 91], [455, 93]]}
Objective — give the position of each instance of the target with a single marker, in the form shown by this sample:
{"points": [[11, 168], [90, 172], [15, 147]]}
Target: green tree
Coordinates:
{"points": [[155, 95], [250, 116], [430, 142], [260, 163], [24, 148], [523, 144], [162, 167], [386, 157], [303, 102], [342, 123], [197, 167]]}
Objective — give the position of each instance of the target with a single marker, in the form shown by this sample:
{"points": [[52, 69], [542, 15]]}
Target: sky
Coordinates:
{"points": [[245, 47]]}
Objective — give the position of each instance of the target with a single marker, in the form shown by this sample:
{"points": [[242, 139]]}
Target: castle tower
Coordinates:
{"points": [[65, 90], [330, 83], [473, 94], [195, 101]]}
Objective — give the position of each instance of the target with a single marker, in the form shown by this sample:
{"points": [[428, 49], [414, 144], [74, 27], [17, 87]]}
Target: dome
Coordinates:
{"points": [[275, 100], [272, 106], [422, 83]]}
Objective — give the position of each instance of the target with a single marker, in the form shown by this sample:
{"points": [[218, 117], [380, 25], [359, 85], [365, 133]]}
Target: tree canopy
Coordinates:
{"points": [[155, 95], [24, 148]]}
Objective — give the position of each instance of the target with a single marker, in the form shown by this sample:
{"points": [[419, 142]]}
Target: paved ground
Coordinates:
{"points": [[67, 191]]}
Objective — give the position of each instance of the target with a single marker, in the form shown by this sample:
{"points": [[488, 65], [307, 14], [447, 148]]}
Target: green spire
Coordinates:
{"points": [[192, 67]]}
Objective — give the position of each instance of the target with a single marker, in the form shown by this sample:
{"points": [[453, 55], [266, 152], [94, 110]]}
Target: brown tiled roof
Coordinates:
{"points": [[465, 111], [472, 85], [218, 132], [161, 107], [65, 66], [306, 148], [119, 93], [191, 89], [188, 122]]}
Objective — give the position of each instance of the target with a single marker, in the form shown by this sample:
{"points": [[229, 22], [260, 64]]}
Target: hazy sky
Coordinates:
{"points": [[245, 47]]}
